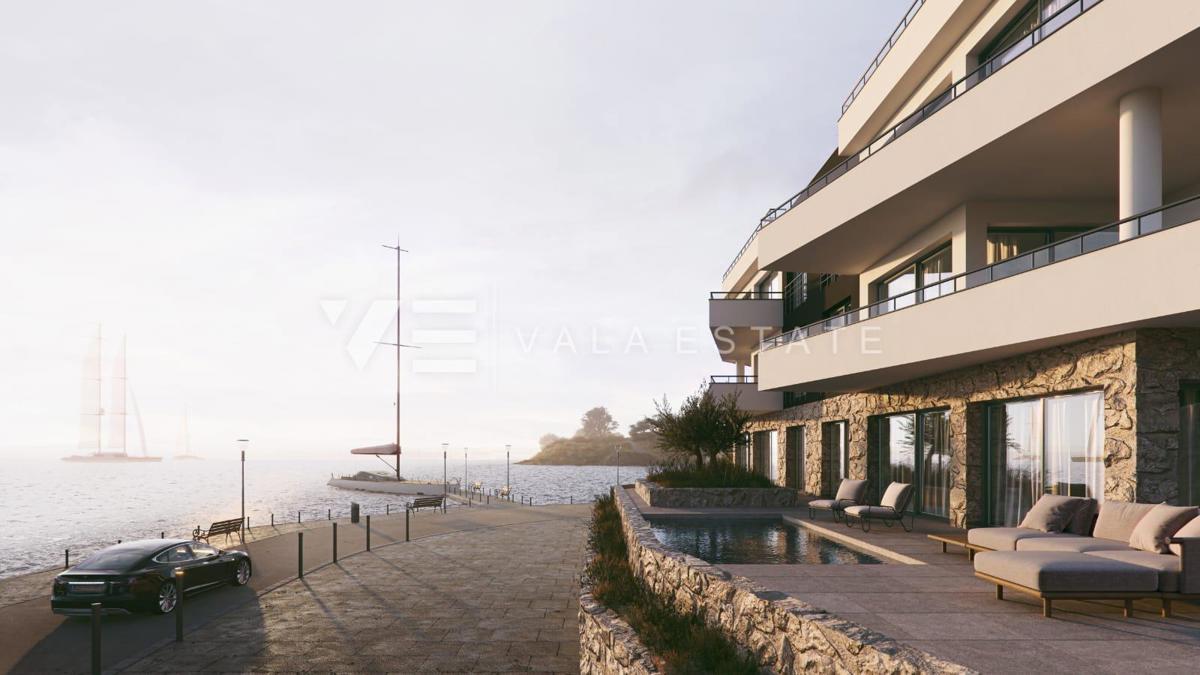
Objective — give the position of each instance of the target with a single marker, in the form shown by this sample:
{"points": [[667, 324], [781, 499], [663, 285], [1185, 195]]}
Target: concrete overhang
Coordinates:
{"points": [[738, 325]]}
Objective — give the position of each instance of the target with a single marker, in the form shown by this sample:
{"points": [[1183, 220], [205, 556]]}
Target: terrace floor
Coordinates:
{"points": [[933, 601]]}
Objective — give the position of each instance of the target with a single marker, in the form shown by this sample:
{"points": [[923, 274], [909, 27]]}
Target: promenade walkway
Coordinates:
{"points": [[484, 589]]}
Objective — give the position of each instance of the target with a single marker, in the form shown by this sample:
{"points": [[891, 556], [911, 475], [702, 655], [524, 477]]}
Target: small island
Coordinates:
{"points": [[596, 443]]}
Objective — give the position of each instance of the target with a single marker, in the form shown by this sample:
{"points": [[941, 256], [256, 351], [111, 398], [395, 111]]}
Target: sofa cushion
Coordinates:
{"points": [[1163, 564], [1082, 522], [872, 511], [1071, 543], [1117, 519], [826, 504], [1154, 532], [1002, 538], [852, 490], [1051, 571], [1052, 513], [1191, 529], [896, 496]]}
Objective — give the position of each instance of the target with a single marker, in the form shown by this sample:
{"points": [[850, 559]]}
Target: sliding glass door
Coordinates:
{"points": [[794, 463], [835, 455], [1052, 445], [914, 448]]}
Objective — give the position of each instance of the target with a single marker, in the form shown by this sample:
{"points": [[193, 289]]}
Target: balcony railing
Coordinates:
{"points": [[883, 51], [1043, 30], [745, 295], [1119, 232], [734, 379]]}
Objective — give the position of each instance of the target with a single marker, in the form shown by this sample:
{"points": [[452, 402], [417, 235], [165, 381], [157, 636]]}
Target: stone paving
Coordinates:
{"points": [[498, 599]]}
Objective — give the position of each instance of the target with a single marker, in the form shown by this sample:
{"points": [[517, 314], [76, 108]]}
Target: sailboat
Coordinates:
{"points": [[379, 481], [185, 441], [93, 413]]}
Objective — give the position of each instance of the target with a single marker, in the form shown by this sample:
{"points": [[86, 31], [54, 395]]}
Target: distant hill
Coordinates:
{"points": [[597, 452]]}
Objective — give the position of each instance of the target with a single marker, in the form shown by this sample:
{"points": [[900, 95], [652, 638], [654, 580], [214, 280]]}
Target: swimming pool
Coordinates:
{"points": [[753, 541]]}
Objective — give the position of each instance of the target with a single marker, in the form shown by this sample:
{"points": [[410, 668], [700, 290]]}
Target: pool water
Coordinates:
{"points": [[753, 541]]}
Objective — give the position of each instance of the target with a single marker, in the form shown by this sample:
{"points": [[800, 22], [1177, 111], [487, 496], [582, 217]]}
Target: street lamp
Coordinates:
{"points": [[464, 468], [445, 480], [243, 443], [507, 483]]}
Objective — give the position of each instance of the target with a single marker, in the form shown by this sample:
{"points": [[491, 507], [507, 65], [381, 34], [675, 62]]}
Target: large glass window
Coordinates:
{"points": [[1053, 445], [794, 463], [764, 453], [928, 271], [835, 452], [1009, 242], [914, 448]]}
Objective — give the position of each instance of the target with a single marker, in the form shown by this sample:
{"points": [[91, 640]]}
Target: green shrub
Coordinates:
{"points": [[682, 642], [717, 473]]}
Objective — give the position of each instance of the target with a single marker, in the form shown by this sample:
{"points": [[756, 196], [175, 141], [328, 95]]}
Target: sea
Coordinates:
{"points": [[50, 505]]}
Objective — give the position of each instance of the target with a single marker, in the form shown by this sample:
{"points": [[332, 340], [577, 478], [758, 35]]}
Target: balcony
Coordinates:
{"points": [[745, 388], [1091, 284], [1035, 123], [739, 321]]}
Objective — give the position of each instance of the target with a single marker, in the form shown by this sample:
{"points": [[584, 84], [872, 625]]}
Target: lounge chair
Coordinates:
{"points": [[890, 510], [850, 493]]}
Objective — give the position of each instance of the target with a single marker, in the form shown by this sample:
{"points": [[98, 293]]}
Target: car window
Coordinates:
{"points": [[203, 550], [111, 560], [181, 553]]}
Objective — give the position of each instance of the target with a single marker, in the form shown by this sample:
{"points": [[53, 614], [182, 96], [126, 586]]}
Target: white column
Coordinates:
{"points": [[1140, 183]]}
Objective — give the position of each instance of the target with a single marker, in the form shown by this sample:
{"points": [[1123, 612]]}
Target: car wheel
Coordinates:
{"points": [[242, 576], [167, 598]]}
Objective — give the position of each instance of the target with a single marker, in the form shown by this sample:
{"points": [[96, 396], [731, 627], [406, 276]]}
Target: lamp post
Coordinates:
{"points": [[242, 444], [445, 480], [507, 451], [464, 468]]}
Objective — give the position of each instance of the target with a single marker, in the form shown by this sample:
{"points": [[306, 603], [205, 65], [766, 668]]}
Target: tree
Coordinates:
{"points": [[547, 439], [596, 423], [704, 427], [642, 430]]}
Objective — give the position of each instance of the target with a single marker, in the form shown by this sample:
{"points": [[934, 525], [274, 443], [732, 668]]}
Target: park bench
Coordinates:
{"points": [[438, 502], [477, 486], [505, 491], [225, 527]]}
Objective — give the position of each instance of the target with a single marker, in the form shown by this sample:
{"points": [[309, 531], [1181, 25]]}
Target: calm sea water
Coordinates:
{"points": [[50, 505]]}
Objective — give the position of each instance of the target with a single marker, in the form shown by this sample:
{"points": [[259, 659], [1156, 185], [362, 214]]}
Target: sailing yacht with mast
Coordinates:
{"points": [[185, 441], [93, 412]]}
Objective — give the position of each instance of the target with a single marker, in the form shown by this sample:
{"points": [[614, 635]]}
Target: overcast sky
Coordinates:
{"points": [[214, 180]]}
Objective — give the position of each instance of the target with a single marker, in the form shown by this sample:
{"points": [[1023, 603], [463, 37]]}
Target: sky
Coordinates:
{"points": [[213, 182]]}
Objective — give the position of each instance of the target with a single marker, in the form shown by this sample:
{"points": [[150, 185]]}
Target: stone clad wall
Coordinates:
{"points": [[607, 644], [1138, 372], [699, 498], [784, 634]]}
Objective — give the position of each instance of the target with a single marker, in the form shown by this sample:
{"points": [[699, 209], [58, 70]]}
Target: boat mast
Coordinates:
{"points": [[398, 347]]}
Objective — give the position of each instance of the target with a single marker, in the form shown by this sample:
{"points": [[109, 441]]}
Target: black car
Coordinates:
{"points": [[139, 576]]}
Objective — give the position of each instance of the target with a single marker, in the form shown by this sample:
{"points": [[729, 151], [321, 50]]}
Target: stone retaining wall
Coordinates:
{"points": [[699, 498], [607, 644], [784, 634]]}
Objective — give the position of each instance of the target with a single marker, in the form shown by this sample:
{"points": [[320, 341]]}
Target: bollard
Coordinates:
{"points": [[179, 604], [96, 638], [272, 520], [489, 500], [572, 499], [297, 516], [387, 510], [67, 561], [247, 523], [406, 512], [300, 555], [329, 514], [368, 533], [118, 541], [335, 542]]}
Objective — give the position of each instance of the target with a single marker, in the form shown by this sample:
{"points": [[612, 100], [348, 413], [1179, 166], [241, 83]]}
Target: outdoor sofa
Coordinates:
{"points": [[849, 493], [890, 510], [1127, 551]]}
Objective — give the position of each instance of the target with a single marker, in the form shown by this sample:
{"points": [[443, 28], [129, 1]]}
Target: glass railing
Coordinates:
{"points": [[733, 379], [1163, 218], [745, 295], [1043, 30], [883, 51]]}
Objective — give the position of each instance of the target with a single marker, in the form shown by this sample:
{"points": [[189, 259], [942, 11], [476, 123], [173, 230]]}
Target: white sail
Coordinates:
{"points": [[90, 411], [116, 404]]}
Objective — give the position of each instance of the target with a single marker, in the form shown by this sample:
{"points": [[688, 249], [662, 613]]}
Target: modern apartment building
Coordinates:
{"points": [[992, 287]]}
